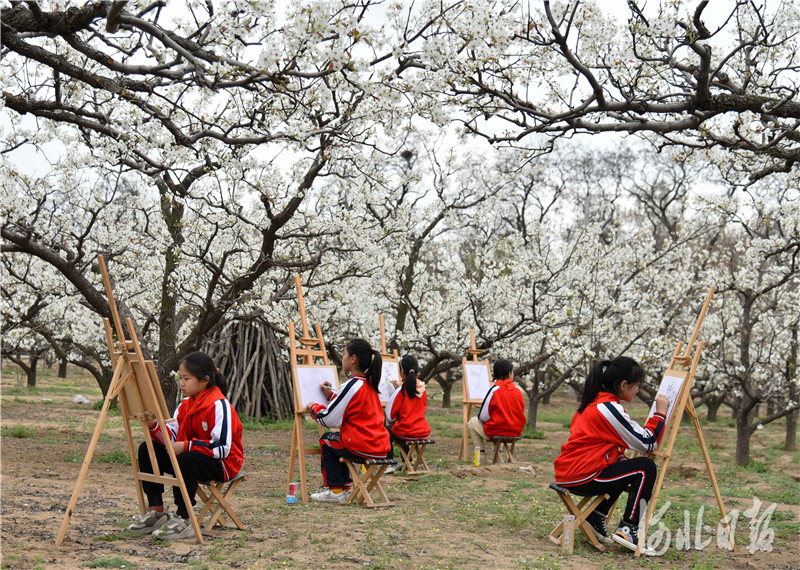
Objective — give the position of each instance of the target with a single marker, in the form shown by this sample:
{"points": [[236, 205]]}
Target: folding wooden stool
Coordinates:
{"points": [[415, 456], [219, 501], [504, 441], [581, 511], [366, 482]]}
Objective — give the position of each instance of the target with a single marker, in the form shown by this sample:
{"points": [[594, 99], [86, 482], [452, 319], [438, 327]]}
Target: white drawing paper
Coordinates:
{"points": [[391, 371], [478, 379], [310, 379], [670, 387]]}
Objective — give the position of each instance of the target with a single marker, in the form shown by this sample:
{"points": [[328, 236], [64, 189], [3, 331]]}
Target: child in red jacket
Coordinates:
{"points": [[502, 412], [592, 461], [205, 434], [356, 407], [405, 412]]}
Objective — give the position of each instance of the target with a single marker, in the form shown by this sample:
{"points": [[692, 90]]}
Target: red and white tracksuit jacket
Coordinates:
{"points": [[503, 410], [406, 416], [208, 424], [356, 409], [598, 436]]}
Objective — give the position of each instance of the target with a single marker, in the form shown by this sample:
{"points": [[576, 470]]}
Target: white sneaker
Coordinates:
{"points": [[628, 536], [148, 523], [328, 496], [176, 528]]}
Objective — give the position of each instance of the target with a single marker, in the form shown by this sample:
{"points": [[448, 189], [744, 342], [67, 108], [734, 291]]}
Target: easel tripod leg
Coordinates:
{"points": [[84, 470]]}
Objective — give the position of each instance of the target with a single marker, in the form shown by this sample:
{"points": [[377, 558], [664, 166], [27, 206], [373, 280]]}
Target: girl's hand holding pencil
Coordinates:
{"points": [[662, 404]]}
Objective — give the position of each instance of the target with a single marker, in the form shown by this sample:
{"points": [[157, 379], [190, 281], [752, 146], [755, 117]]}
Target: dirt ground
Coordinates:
{"points": [[459, 517]]}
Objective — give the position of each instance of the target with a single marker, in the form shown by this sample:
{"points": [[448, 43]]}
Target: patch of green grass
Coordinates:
{"points": [[23, 390], [252, 424], [20, 432], [116, 456], [529, 433], [783, 490], [124, 535], [756, 467], [561, 416], [112, 562]]}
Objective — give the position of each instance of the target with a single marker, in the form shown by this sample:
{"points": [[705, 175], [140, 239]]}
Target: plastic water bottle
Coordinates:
{"points": [[291, 496], [477, 459]]}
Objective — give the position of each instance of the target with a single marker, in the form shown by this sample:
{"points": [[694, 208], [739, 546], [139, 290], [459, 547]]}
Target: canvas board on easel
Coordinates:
{"points": [[310, 369], [477, 380], [676, 386], [308, 384], [389, 373], [670, 387], [136, 384]]}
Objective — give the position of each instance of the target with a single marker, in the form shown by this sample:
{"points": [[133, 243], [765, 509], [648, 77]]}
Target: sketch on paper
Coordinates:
{"points": [[391, 371], [309, 381], [670, 387], [478, 379]]}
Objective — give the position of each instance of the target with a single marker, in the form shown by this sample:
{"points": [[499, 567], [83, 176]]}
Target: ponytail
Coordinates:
{"points": [[200, 365], [409, 366], [607, 375], [369, 360]]}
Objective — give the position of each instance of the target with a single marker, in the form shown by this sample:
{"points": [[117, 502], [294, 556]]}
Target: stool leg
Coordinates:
{"points": [[207, 503], [228, 509], [510, 452], [406, 460], [580, 514], [496, 452], [219, 501], [359, 491], [420, 451]]}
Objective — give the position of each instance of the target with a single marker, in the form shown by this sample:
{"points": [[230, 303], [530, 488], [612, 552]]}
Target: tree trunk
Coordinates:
{"points": [[744, 430], [446, 389], [713, 405], [791, 373], [17, 359], [62, 368], [446, 382], [31, 371], [168, 386], [533, 407], [791, 431], [546, 399]]}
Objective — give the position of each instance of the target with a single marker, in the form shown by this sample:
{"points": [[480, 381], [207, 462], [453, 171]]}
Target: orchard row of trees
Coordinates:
{"points": [[212, 153]]}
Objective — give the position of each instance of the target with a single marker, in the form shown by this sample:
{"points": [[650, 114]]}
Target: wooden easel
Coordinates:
{"points": [[136, 383], [386, 356], [311, 349], [384, 352], [678, 367], [466, 402]]}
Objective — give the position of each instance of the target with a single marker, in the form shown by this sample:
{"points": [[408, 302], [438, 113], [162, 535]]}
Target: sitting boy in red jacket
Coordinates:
{"points": [[502, 412]]}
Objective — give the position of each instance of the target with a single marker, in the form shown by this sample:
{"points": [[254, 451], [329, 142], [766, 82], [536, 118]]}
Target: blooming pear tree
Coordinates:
{"points": [[227, 116], [681, 74], [754, 337]]}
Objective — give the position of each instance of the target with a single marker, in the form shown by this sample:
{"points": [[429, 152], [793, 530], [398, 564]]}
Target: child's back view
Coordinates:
{"points": [[502, 412], [405, 412]]}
